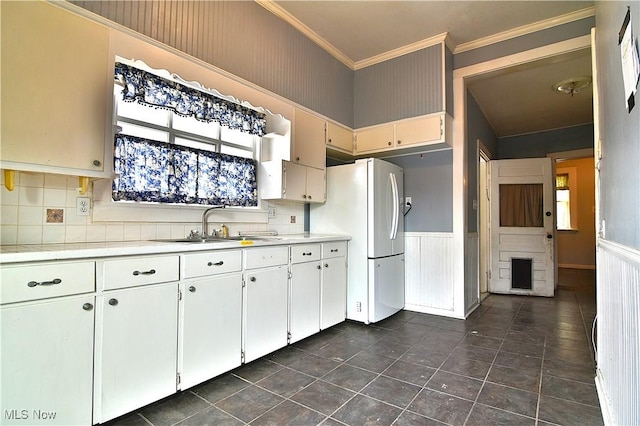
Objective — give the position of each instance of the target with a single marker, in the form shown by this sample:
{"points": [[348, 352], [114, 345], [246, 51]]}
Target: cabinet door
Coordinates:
{"points": [[308, 140], [211, 328], [304, 316], [334, 292], [47, 362], [265, 312], [55, 78], [418, 131], [339, 137], [295, 182], [138, 348], [374, 138], [316, 185]]}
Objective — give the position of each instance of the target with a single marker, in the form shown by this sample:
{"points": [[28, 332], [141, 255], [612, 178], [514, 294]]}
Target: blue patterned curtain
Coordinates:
{"points": [[149, 89], [153, 171]]}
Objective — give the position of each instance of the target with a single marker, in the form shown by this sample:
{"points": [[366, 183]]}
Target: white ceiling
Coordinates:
{"points": [[516, 100]]}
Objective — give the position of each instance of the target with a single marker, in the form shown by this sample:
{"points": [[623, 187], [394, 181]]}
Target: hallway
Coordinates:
{"points": [[517, 361]]}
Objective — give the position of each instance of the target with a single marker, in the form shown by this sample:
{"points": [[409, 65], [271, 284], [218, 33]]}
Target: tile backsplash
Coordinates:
{"points": [[38, 197]]}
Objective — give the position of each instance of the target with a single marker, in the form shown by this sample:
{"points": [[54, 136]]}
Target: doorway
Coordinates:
{"points": [[484, 228]]}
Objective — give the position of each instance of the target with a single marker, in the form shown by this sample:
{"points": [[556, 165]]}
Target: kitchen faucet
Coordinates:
{"points": [[204, 219]]}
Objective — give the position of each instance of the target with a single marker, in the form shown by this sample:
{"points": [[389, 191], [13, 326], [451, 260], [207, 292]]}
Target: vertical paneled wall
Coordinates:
{"points": [[245, 39], [407, 86]]}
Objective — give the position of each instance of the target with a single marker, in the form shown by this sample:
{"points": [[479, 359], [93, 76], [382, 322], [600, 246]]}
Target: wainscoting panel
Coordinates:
{"points": [[618, 333], [429, 272], [471, 291]]}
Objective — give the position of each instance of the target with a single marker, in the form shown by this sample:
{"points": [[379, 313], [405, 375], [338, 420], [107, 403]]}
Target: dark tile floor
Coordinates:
{"points": [[516, 361]]}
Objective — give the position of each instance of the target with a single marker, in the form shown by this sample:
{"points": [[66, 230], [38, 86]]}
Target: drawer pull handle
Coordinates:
{"points": [[192, 289], [149, 272], [87, 306], [307, 254], [334, 250], [52, 282], [113, 302], [220, 263]]}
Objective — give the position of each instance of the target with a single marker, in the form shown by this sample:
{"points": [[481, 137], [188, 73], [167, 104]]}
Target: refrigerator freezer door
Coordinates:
{"points": [[386, 220], [386, 287]]}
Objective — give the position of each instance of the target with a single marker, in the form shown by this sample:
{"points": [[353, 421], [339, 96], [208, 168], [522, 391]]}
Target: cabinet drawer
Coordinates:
{"points": [[305, 252], [336, 249], [42, 280], [135, 271], [265, 257], [211, 263]]}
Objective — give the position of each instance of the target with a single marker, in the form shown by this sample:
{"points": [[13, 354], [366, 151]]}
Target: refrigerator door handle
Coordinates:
{"points": [[396, 207]]}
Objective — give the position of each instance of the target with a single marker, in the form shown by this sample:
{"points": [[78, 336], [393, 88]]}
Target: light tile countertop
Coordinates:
{"points": [[45, 252]]}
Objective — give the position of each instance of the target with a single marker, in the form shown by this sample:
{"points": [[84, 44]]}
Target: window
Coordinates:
{"points": [[566, 199], [177, 144]]}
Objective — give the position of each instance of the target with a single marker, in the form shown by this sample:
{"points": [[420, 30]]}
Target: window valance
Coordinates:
{"points": [[149, 89], [153, 171]]}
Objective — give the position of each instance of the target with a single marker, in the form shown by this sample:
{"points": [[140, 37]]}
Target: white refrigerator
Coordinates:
{"points": [[365, 201]]}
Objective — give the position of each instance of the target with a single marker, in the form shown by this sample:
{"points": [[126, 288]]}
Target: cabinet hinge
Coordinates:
{"points": [[178, 379], [179, 294], [489, 274], [289, 274], [244, 283], [242, 357], [288, 337]]}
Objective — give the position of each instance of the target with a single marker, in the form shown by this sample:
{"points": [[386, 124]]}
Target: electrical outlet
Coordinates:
{"points": [[358, 306], [83, 206], [272, 212], [293, 219], [407, 201]]}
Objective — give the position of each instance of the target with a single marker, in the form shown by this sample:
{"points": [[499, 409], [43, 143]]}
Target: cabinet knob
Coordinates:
{"points": [[309, 196], [297, 158], [326, 265], [192, 289], [252, 279], [329, 140], [304, 195], [113, 302], [389, 143], [97, 163], [399, 142], [87, 306], [319, 267]]}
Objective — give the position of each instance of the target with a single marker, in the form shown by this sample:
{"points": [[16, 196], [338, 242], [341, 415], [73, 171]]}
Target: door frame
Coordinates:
{"points": [[459, 135], [484, 220]]}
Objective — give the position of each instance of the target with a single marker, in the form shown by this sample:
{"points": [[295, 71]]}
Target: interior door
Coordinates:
{"points": [[523, 225]]}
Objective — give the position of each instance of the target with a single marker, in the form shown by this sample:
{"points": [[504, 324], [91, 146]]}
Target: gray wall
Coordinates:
{"points": [[245, 39], [620, 130], [428, 180], [477, 128], [537, 145], [403, 87], [525, 42]]}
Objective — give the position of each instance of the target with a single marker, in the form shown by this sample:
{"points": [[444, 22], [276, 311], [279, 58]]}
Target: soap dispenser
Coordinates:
{"points": [[225, 231]]}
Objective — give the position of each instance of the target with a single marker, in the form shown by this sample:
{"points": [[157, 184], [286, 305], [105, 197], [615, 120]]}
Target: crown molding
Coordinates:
{"points": [[526, 29], [409, 48], [308, 32]]}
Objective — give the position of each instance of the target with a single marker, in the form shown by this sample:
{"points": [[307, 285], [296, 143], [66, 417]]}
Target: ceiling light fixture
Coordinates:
{"points": [[572, 85]]}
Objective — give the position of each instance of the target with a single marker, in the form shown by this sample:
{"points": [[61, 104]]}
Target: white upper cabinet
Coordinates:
{"points": [[308, 147], [55, 74], [339, 137], [412, 133], [284, 180]]}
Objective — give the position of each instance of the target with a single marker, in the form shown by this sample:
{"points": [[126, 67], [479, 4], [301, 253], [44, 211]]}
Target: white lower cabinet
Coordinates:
{"points": [[47, 362], [137, 348], [333, 303], [265, 312], [211, 328], [304, 303]]}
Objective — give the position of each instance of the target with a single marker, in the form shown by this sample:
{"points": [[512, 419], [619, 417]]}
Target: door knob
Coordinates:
{"points": [[549, 236], [548, 214]]}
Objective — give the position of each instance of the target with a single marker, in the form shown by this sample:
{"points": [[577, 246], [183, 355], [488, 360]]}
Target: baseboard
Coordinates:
{"points": [[431, 311]]}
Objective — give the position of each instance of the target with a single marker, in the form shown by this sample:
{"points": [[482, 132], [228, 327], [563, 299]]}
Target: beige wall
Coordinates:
{"points": [[577, 249]]}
